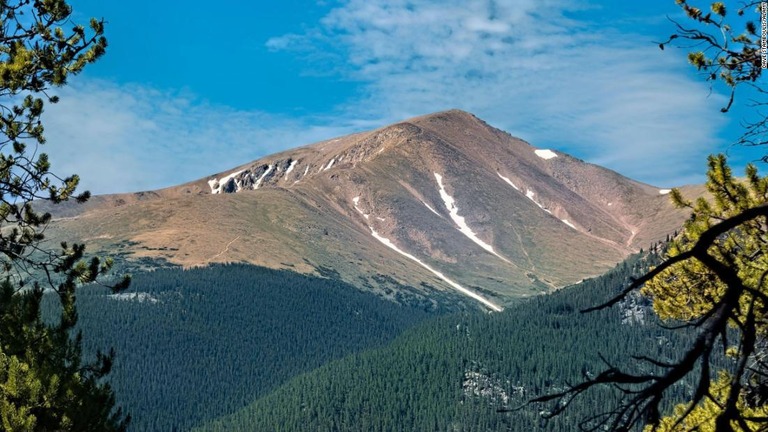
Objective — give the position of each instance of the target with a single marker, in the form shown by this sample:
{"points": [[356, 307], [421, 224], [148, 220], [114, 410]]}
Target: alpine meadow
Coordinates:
{"points": [[376, 215]]}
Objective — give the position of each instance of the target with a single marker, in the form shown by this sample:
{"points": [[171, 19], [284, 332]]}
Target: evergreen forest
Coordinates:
{"points": [[239, 347], [193, 345]]}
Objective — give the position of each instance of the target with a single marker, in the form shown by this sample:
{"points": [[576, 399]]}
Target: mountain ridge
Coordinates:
{"points": [[435, 202]]}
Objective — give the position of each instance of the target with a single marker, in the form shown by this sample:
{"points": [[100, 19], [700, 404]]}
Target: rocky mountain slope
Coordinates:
{"points": [[439, 202]]}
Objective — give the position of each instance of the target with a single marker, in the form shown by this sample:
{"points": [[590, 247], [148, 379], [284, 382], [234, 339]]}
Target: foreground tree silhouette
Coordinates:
{"points": [[44, 385], [728, 56], [715, 277]]}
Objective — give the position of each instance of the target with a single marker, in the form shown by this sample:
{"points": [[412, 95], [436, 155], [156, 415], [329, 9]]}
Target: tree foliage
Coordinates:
{"points": [[43, 384], [726, 49], [725, 287], [714, 281], [704, 415], [714, 278]]}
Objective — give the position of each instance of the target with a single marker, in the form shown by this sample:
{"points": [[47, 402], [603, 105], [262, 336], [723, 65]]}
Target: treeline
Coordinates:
{"points": [[193, 345], [455, 373]]}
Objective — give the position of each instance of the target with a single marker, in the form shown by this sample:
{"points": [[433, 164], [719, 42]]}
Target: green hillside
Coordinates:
{"points": [[454, 372], [193, 345]]}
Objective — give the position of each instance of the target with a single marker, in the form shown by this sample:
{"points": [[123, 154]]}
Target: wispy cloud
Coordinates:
{"points": [[536, 68], [130, 138], [532, 68]]}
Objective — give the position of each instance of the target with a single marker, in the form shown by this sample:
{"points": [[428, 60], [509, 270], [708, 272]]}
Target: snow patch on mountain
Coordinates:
{"points": [[531, 196], [508, 181], [450, 282], [431, 209], [565, 221], [356, 200], [224, 180], [545, 154], [450, 204], [664, 191], [290, 168], [258, 182], [330, 164]]}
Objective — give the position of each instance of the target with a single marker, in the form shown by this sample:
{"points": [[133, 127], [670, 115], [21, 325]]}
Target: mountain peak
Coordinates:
{"points": [[452, 118], [437, 202], [450, 114]]}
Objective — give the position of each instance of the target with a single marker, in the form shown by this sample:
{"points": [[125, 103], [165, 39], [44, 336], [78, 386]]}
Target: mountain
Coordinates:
{"points": [[442, 202]]}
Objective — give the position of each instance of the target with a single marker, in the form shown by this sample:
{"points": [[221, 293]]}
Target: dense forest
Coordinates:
{"points": [[457, 372], [239, 347], [192, 345]]}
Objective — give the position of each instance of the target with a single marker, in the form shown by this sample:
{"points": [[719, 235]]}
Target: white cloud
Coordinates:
{"points": [[603, 94], [526, 66], [131, 138]]}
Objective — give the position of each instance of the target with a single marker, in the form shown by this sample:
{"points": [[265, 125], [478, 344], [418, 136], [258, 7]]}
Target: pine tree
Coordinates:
{"points": [[715, 277], [722, 291], [43, 383]]}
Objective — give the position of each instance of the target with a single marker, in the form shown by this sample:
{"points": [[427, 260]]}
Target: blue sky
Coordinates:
{"points": [[188, 91]]}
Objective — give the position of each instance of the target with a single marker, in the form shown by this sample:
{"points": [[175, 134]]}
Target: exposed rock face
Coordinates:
{"points": [[442, 202], [481, 385]]}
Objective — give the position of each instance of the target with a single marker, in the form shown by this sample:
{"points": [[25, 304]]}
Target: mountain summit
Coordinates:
{"points": [[442, 202]]}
